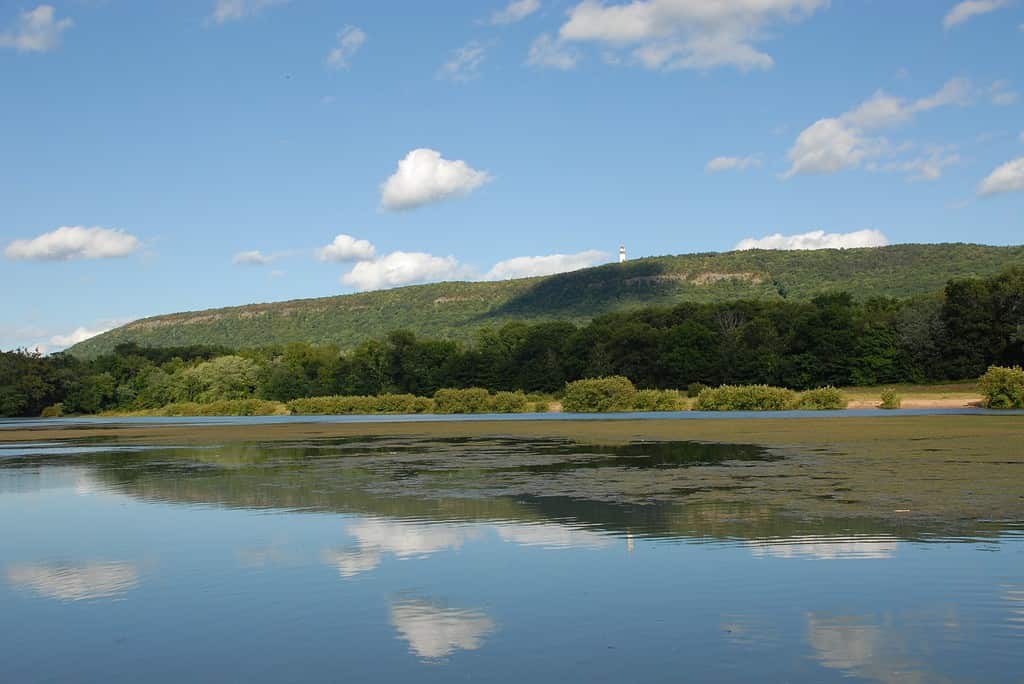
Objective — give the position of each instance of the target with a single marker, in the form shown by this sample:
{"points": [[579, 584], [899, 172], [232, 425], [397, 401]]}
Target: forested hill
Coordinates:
{"points": [[455, 310]]}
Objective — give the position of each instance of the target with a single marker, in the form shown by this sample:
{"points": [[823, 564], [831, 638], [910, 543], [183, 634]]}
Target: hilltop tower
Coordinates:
{"points": [[622, 254]]}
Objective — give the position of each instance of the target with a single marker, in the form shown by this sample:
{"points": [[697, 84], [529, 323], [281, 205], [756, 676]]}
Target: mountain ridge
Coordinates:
{"points": [[454, 310]]}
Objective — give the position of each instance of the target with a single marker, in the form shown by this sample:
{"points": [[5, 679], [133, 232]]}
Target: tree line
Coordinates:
{"points": [[833, 339]]}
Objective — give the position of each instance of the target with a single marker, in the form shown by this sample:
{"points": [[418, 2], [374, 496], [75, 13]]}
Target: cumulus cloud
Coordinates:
{"points": [[74, 242], [1008, 177], [530, 266], [75, 582], [816, 239], [234, 10], [37, 30], [404, 268], [464, 63], [517, 10], [836, 143], [548, 53], [686, 34], [82, 333], [435, 631], [350, 39], [252, 257], [424, 176], [963, 11], [732, 163], [347, 248]]}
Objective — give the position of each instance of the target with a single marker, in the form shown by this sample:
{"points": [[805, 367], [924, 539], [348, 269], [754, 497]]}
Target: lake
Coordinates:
{"points": [[436, 558]]}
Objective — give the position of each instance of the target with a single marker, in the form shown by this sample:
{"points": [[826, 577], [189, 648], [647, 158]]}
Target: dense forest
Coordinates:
{"points": [[456, 311], [832, 339]]}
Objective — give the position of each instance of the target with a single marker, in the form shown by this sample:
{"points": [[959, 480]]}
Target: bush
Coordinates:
{"points": [[694, 389], [361, 405], [890, 400], [224, 407], [540, 406], [658, 400], [599, 395], [1003, 387], [745, 398], [471, 400], [821, 399], [509, 402], [53, 411]]}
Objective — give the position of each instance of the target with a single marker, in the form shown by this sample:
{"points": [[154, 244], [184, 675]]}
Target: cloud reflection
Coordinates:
{"points": [[66, 582], [435, 631], [823, 549]]}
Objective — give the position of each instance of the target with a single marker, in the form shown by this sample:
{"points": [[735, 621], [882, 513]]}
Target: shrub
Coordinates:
{"points": [[509, 402], [599, 395], [745, 398], [694, 389], [224, 407], [53, 411], [1003, 387], [890, 400], [821, 399], [471, 400], [540, 406], [658, 400], [361, 405]]}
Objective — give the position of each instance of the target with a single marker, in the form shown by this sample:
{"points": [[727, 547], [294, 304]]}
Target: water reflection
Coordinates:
{"points": [[435, 631], [538, 579], [824, 548], [70, 582]]}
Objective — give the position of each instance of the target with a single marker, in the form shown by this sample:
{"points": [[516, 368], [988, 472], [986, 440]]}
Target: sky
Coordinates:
{"points": [[167, 156]]}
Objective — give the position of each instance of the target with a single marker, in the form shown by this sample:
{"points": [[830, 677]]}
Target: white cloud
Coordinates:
{"points": [[252, 257], [686, 34], [435, 631], [37, 30], [1001, 94], [424, 177], [925, 168], [464, 64], [1006, 178], [517, 10], [530, 266], [82, 333], [963, 11], [732, 163], [234, 10], [75, 582], [350, 39], [74, 242], [836, 143], [816, 239], [347, 248], [548, 53], [404, 268]]}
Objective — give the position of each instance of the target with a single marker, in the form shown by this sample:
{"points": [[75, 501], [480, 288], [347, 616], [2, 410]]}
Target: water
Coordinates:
{"points": [[476, 559]]}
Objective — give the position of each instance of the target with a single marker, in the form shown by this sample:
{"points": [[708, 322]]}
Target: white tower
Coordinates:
{"points": [[622, 254]]}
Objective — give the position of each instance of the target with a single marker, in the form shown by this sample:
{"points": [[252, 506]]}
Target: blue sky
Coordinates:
{"points": [[170, 156]]}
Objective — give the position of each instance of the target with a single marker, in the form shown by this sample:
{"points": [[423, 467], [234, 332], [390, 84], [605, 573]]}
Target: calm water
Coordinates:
{"points": [[366, 560]]}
